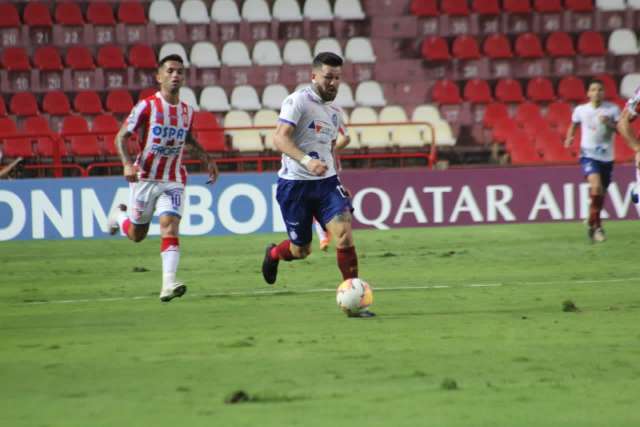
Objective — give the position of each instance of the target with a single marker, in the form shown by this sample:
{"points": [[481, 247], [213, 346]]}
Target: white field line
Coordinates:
{"points": [[257, 292]]}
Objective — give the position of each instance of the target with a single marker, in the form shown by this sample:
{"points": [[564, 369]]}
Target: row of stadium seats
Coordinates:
{"points": [[493, 7]]}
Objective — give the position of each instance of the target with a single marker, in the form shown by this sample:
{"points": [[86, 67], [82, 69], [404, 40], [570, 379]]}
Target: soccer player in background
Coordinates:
{"points": [[308, 184], [157, 178], [597, 120], [629, 114]]}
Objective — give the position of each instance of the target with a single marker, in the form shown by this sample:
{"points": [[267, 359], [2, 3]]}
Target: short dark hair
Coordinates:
{"points": [[596, 81], [327, 58], [172, 57]]}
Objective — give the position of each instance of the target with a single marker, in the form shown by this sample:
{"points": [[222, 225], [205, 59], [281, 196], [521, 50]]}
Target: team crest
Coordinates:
{"points": [[334, 120]]}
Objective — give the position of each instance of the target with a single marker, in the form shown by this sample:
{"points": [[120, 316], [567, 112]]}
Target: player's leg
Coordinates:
{"points": [[323, 235], [170, 207], [596, 194], [135, 225]]}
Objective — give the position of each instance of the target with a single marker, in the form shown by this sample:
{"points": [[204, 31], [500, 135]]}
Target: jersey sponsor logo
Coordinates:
{"points": [[322, 128], [162, 150], [170, 132]]}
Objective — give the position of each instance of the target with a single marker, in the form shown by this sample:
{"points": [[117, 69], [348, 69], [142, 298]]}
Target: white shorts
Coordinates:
{"points": [[146, 197]]}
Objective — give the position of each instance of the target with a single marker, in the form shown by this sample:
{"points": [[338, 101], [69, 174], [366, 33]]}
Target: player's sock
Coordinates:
{"points": [[124, 222], [170, 252], [322, 235], [597, 201], [282, 251], [347, 262]]}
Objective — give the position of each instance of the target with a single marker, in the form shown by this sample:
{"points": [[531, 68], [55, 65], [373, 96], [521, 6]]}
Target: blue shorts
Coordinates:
{"points": [[301, 201], [591, 166]]}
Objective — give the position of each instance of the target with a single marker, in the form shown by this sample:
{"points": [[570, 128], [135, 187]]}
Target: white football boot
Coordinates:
{"points": [[173, 291]]}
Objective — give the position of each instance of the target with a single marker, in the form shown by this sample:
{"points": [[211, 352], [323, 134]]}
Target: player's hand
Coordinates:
{"points": [[317, 167], [130, 172], [638, 159], [568, 142], [213, 173]]}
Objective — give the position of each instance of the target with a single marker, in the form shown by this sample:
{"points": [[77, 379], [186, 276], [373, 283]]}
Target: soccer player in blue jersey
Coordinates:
{"points": [[308, 184]]}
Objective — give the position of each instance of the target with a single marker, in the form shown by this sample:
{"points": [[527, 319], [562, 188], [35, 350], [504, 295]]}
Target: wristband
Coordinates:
{"points": [[305, 160]]}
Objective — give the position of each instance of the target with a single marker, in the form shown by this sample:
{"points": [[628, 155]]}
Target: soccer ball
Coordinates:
{"points": [[354, 295]]}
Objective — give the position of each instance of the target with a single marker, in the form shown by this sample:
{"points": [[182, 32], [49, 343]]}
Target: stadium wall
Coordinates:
{"points": [[77, 208]]}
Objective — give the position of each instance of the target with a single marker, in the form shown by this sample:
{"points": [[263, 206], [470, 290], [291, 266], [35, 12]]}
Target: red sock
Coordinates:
{"points": [[597, 201], [282, 251], [125, 226], [168, 242], [348, 262]]}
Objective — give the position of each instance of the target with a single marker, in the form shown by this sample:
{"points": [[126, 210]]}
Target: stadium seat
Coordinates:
{"points": [[494, 113], [509, 90], [235, 54], [286, 11], [540, 89], [110, 57], [45, 141], [105, 127], [242, 140], [146, 93], [142, 56], [68, 14], [344, 98], [56, 103], [424, 8], [446, 92], [579, 5], [15, 59], [528, 46], [266, 53], [610, 86], [208, 132], [80, 145], [204, 55], [245, 97], [13, 148], [47, 58], [9, 17], [348, 10], [194, 12], [408, 135], [486, 7], [435, 49], [527, 112], [633, 4], [317, 10], [87, 102], [571, 88], [273, 95], [119, 101], [189, 97], [477, 91], [328, 44], [79, 58], [100, 14], [629, 85], [559, 44], [214, 98], [37, 14], [591, 43], [497, 46], [225, 11], [173, 48], [297, 52], [23, 104], [622, 151], [548, 6], [455, 7], [465, 47], [425, 113], [623, 42], [256, 11], [3, 108], [517, 6], [444, 133], [369, 94], [131, 13], [611, 5], [559, 115], [359, 51], [267, 119], [369, 136], [163, 12]]}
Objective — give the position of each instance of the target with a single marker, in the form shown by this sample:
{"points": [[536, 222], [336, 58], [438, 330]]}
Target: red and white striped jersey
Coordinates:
{"points": [[162, 129]]}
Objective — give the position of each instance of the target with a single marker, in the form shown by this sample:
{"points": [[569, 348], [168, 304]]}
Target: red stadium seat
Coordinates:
{"points": [[119, 101], [87, 102], [23, 104], [13, 147], [446, 92], [466, 47], [560, 44], [105, 128], [548, 6], [528, 46], [455, 7], [7, 126], [3, 108], [69, 14], [540, 89], [9, 17], [15, 59], [145, 93], [143, 57], [497, 46], [571, 88], [79, 58], [610, 86], [435, 49], [80, 145], [100, 14], [622, 151], [486, 7], [494, 113], [517, 6], [591, 43], [131, 13], [424, 8], [527, 112], [559, 115], [579, 5], [509, 90], [45, 141], [205, 125], [37, 14], [477, 91], [110, 57], [47, 58], [56, 103]]}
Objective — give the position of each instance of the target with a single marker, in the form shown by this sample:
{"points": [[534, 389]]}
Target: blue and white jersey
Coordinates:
{"points": [[317, 125], [597, 138]]}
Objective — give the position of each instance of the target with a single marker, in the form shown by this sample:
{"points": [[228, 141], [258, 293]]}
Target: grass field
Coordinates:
{"points": [[470, 332]]}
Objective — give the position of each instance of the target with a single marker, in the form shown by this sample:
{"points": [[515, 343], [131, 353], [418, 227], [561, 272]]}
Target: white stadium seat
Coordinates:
{"points": [[317, 10], [403, 135], [225, 11], [611, 5], [623, 42], [267, 118], [344, 98], [287, 11], [297, 52], [235, 54], [273, 96], [194, 12], [369, 94], [204, 55], [186, 95], [266, 52], [328, 44], [242, 140], [256, 11], [348, 10], [629, 84], [444, 135], [370, 136], [173, 48], [634, 4], [163, 12], [245, 97], [214, 98], [360, 51]]}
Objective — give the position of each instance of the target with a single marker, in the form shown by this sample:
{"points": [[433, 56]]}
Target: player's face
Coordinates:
{"points": [[171, 76], [326, 81], [595, 92]]}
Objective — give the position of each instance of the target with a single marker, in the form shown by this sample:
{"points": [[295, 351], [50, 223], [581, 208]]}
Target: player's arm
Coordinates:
{"points": [[123, 135], [283, 142], [197, 151], [571, 132], [7, 169], [624, 127], [343, 141]]}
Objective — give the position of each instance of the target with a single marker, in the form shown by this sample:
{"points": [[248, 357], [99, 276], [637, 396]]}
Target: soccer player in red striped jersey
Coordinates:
{"points": [[157, 178]]}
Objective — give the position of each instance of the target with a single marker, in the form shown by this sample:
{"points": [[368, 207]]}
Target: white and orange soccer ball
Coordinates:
{"points": [[354, 295]]}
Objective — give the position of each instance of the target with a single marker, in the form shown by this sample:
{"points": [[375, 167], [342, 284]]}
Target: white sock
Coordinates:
{"points": [[122, 218], [322, 235], [170, 258]]}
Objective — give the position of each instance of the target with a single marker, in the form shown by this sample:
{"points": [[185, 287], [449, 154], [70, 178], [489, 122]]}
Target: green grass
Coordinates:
{"points": [[446, 354]]}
